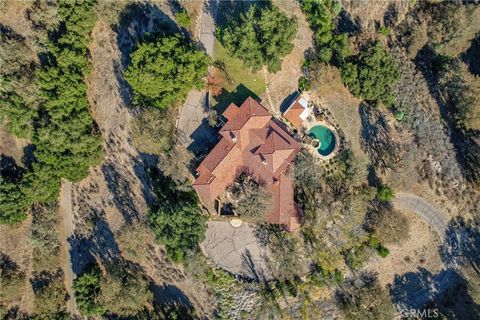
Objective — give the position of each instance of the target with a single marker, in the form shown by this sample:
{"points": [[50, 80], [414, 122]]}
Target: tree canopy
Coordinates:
{"points": [[49, 105], [261, 36], [175, 219], [371, 74], [163, 69], [87, 290], [320, 16]]}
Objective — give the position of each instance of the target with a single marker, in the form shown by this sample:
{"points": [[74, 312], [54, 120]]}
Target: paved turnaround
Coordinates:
{"points": [[236, 250], [423, 209]]}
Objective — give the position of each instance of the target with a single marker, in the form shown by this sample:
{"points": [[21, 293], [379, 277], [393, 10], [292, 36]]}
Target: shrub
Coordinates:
{"points": [[124, 293], [384, 31], [371, 74], [135, 241], [18, 91], [44, 237], [364, 298], [399, 115], [12, 280], [387, 224], [382, 251], [152, 131], [262, 36], [163, 69], [304, 84], [183, 19], [385, 194], [50, 293]]}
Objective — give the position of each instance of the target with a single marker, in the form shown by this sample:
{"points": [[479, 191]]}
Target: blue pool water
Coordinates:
{"points": [[326, 137]]}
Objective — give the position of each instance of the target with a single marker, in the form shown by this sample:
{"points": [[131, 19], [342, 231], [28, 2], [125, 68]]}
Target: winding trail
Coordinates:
{"points": [[423, 209]]}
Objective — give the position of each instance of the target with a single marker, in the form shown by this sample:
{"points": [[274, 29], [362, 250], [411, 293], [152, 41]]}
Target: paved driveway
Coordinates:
{"points": [[423, 209], [236, 250], [192, 124]]}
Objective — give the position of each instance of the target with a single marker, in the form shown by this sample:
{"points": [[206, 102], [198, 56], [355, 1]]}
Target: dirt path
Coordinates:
{"points": [[423, 209], [68, 256]]}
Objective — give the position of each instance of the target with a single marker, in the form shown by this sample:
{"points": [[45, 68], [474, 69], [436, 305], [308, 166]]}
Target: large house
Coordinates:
{"points": [[252, 142]]}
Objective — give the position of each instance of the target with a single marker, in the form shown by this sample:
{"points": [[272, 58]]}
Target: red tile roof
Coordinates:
{"points": [[293, 113], [252, 142]]}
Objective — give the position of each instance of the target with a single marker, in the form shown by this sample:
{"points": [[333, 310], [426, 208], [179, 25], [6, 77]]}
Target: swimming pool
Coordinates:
{"points": [[326, 138]]}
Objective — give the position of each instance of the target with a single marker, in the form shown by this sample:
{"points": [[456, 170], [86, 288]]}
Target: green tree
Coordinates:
{"points": [[87, 291], [66, 141], [175, 218], [385, 194], [13, 204], [261, 36], [18, 91], [372, 74], [320, 16], [162, 71]]}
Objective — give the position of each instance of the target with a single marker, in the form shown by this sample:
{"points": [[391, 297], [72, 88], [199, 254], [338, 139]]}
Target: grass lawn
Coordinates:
{"points": [[240, 81]]}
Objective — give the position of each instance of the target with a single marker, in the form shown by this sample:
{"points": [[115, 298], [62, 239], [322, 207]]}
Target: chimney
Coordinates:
{"points": [[264, 161], [233, 136]]}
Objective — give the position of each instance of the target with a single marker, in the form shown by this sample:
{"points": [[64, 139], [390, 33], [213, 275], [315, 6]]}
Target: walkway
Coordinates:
{"points": [[236, 250], [423, 209]]}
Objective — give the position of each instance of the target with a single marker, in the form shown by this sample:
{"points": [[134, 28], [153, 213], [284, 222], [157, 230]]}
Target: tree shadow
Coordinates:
{"points": [[288, 101], [347, 24], [9, 169], [390, 18], [138, 20], [230, 10], [470, 57], [100, 246], [104, 245], [43, 279], [249, 265], [80, 255], [372, 177], [446, 291], [168, 295], [430, 65], [204, 138], [121, 191], [462, 244], [237, 96]]}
